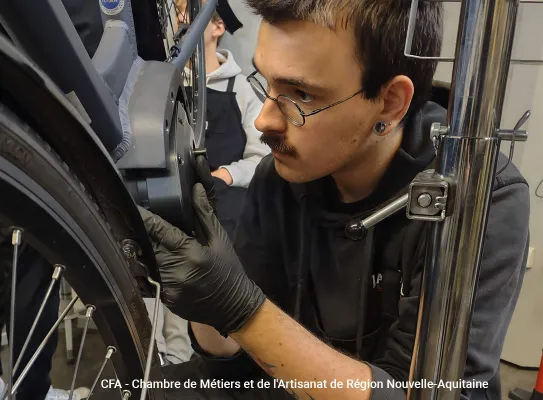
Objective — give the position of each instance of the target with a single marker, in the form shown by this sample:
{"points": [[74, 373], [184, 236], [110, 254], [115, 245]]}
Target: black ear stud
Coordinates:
{"points": [[380, 127]]}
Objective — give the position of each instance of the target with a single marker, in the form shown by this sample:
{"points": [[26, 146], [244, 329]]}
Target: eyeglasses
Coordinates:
{"points": [[288, 107]]}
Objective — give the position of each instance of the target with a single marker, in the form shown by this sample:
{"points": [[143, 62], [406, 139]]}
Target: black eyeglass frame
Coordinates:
{"points": [[253, 80]]}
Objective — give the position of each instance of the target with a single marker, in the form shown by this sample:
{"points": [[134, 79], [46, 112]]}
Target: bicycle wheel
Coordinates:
{"points": [[174, 23], [55, 216]]}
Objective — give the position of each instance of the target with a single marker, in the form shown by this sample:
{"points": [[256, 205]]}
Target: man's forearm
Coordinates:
{"points": [[211, 341], [287, 351]]}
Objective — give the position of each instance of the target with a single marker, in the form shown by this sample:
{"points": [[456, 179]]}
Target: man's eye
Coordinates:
{"points": [[304, 97]]}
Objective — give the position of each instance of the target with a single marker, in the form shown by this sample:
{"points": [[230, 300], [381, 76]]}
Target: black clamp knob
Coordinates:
{"points": [[355, 230]]}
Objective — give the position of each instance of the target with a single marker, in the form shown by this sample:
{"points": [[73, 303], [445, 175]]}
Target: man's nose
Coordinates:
{"points": [[271, 118]]}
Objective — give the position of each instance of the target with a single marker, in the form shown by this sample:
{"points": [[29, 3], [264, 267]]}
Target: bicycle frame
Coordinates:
{"points": [[33, 94], [94, 86], [148, 30], [68, 67]]}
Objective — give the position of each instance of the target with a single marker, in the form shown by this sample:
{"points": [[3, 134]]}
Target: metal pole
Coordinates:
{"points": [[467, 161]]}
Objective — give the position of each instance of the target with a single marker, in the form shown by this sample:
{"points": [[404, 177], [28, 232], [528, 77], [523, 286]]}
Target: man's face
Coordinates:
{"points": [[315, 67]]}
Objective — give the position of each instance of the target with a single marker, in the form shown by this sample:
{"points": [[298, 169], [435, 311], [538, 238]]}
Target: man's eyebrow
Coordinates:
{"points": [[301, 83]]}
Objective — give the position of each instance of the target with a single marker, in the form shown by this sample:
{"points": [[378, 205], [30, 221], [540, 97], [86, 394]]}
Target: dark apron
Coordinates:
{"points": [[225, 143]]}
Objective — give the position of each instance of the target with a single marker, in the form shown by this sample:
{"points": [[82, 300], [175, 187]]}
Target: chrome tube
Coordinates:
{"points": [[467, 161], [385, 212]]}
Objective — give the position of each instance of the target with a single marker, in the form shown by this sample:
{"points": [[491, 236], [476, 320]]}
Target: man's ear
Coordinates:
{"points": [[396, 98]]}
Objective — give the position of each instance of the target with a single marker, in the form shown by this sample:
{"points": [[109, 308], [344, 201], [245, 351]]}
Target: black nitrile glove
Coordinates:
{"points": [[203, 174], [202, 283]]}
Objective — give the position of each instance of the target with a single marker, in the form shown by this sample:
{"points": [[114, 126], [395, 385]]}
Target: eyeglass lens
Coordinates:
{"points": [[290, 110], [287, 106], [259, 83]]}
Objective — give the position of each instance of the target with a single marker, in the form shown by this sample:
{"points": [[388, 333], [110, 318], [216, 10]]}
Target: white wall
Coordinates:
{"points": [[525, 337], [524, 91], [243, 42]]}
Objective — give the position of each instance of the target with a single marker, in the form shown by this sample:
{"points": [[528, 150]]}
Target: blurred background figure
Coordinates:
{"points": [[233, 148], [232, 141]]}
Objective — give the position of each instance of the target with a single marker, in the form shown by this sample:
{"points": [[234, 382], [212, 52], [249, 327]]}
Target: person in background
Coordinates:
{"points": [[233, 143], [234, 150]]}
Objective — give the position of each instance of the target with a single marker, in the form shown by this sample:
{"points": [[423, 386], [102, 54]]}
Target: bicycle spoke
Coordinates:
{"points": [[110, 351], [88, 315], [152, 341], [42, 345], [16, 242], [56, 275]]}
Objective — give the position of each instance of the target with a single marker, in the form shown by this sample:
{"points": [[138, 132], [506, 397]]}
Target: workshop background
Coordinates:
{"points": [[524, 343]]}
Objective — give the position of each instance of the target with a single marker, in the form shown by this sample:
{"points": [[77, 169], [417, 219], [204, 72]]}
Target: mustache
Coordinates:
{"points": [[277, 142]]}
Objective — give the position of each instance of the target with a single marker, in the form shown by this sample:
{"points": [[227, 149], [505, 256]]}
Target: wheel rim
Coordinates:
{"points": [[49, 229]]}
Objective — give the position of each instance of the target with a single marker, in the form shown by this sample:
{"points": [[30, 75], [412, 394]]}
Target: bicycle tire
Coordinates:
{"points": [[40, 194]]}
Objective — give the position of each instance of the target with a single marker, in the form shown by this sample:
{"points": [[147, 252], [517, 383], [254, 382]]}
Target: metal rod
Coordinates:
{"points": [[513, 135], [194, 34], [413, 23], [516, 61], [385, 212], [411, 26], [152, 340], [194, 10], [56, 275], [193, 48], [201, 97], [467, 160], [169, 11], [41, 346], [88, 315], [109, 353], [16, 242], [459, 1]]}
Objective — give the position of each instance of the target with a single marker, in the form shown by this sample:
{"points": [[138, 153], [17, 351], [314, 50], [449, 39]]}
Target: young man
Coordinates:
{"points": [[290, 296]]}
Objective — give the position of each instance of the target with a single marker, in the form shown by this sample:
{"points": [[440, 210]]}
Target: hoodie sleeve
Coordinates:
{"points": [[242, 171], [501, 274]]}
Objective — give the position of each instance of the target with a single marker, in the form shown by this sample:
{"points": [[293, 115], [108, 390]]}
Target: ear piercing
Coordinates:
{"points": [[380, 127]]}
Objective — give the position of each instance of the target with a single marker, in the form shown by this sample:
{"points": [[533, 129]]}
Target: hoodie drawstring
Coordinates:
{"points": [[303, 264], [367, 269]]}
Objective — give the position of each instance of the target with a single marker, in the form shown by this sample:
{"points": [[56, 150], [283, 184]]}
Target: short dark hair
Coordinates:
{"points": [[380, 29]]}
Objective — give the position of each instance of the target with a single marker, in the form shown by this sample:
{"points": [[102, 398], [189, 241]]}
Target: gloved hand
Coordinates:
{"points": [[203, 175], [202, 283]]}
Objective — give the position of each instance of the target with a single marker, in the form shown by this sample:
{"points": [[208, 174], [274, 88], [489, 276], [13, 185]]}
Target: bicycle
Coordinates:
{"points": [[70, 175]]}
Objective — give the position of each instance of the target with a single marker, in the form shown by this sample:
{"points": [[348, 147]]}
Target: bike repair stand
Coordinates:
{"points": [[537, 393]]}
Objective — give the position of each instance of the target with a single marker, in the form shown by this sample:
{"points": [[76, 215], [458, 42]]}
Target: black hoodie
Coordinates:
{"points": [[362, 296]]}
